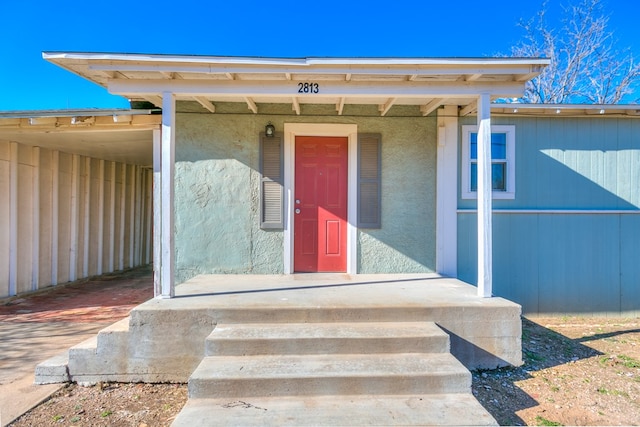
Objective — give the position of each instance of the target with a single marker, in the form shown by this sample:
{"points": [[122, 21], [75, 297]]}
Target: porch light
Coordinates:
{"points": [[269, 129]]}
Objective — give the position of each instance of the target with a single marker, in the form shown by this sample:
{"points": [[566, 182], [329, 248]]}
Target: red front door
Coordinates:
{"points": [[320, 204]]}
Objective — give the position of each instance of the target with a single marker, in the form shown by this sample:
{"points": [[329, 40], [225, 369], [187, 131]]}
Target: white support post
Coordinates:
{"points": [[447, 192], [485, 249], [35, 218], [13, 218], [133, 182], [167, 171], [99, 262], [148, 194], [75, 205], [123, 210], [157, 211], [55, 179], [112, 217], [137, 259], [87, 216]]}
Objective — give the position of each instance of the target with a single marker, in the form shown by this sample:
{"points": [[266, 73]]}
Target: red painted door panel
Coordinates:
{"points": [[320, 204]]}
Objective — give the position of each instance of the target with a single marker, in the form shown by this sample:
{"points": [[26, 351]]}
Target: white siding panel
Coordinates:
{"points": [[4, 218]]}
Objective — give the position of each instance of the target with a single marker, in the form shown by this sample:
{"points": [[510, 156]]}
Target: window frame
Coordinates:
{"points": [[465, 179]]}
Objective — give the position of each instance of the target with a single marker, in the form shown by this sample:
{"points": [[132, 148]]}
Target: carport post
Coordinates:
{"points": [[167, 172], [485, 272]]}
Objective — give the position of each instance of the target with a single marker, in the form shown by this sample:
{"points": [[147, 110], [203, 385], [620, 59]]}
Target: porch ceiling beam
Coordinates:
{"points": [[431, 106], [469, 109], [205, 103], [473, 77], [296, 105], [347, 77], [336, 89], [155, 100], [167, 75], [514, 70], [252, 105], [384, 108], [340, 106], [413, 77], [230, 76], [526, 76]]}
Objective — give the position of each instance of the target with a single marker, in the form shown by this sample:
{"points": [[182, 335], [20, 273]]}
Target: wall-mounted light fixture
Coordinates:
{"points": [[269, 129]]}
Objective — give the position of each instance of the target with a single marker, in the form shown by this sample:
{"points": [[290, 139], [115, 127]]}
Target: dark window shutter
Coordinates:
{"points": [[271, 181], [369, 182]]}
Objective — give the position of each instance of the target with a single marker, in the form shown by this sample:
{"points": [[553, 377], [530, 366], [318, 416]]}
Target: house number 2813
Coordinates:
{"points": [[308, 88]]}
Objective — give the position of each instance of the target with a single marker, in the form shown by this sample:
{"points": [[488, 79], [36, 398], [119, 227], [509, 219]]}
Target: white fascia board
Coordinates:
{"points": [[290, 61], [327, 89], [331, 69]]}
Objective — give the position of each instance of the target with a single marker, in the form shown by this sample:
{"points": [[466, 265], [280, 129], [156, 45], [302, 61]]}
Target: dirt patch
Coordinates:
{"points": [[577, 371]]}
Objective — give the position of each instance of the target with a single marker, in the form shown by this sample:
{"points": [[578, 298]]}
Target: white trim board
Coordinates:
{"points": [[559, 211], [350, 131]]}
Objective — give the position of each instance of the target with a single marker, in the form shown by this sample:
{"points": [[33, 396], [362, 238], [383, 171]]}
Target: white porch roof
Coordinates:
{"points": [[384, 82]]}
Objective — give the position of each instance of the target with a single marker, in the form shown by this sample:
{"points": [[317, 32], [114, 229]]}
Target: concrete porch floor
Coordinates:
{"points": [[485, 332]]}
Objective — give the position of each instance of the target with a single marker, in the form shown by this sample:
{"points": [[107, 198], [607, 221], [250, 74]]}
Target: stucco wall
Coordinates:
{"points": [[217, 195]]}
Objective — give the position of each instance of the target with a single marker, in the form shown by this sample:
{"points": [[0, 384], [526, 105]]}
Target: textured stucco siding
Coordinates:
{"points": [[217, 195], [406, 243]]}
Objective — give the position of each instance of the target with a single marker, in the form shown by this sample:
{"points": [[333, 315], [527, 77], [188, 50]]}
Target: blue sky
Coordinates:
{"points": [[426, 28]]}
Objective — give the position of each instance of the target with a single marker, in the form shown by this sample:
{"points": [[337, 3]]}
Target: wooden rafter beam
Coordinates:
{"points": [[347, 77], [296, 106], [340, 106], [469, 109], [431, 106], [155, 100], [412, 77], [384, 108], [167, 75], [205, 103], [252, 105], [230, 76], [473, 77], [336, 89], [525, 77]]}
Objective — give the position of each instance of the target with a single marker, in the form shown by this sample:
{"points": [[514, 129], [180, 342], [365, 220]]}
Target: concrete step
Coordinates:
{"points": [[377, 410], [326, 338], [345, 374]]}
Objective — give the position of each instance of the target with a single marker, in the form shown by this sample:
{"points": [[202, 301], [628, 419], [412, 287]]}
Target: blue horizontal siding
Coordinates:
{"points": [[560, 263], [563, 263]]}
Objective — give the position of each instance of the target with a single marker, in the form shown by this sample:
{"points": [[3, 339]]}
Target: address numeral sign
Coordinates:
{"points": [[308, 88]]}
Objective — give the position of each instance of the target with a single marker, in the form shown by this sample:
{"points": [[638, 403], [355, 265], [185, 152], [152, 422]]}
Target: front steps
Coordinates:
{"points": [[375, 373], [381, 323]]}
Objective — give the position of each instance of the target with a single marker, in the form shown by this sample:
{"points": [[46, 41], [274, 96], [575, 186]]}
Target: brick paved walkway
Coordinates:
{"points": [[37, 326], [106, 298]]}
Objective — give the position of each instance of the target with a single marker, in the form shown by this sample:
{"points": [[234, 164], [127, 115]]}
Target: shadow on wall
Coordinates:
{"points": [[566, 263]]}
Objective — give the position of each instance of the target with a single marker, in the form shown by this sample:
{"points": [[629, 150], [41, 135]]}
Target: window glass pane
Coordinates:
{"points": [[498, 145], [498, 177], [474, 177], [473, 148]]}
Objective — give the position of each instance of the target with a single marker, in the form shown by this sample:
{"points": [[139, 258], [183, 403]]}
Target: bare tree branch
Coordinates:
{"points": [[585, 66]]}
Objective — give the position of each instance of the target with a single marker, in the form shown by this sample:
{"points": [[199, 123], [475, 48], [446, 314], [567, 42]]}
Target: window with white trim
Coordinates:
{"points": [[503, 177]]}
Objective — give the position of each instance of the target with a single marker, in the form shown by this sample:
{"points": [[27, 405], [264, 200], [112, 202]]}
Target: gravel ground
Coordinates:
{"points": [[577, 371]]}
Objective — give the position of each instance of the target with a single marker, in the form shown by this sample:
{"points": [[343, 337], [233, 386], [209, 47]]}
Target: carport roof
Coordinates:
{"points": [[384, 82], [116, 135]]}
